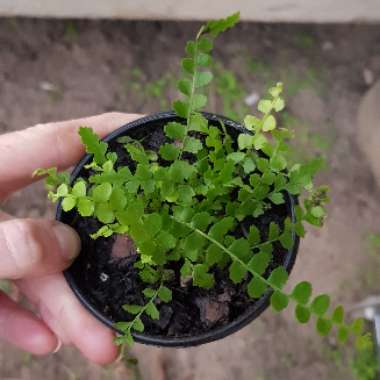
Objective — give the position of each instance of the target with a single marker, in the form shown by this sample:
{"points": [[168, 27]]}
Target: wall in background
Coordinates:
{"points": [[255, 10]]}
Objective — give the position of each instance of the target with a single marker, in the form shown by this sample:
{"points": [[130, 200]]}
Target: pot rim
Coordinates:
{"points": [[213, 334]]}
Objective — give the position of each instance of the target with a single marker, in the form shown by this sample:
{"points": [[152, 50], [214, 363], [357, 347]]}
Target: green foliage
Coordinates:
{"points": [[302, 292], [93, 144], [215, 27], [5, 286], [192, 201], [320, 304], [175, 131], [53, 178], [278, 278], [137, 311], [365, 363], [279, 300], [230, 91], [256, 287], [323, 326], [357, 364], [302, 313], [201, 277], [374, 243]]}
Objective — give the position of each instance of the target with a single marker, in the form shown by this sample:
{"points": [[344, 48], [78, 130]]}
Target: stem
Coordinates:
{"points": [[142, 311], [266, 242], [231, 254], [192, 92], [121, 353]]}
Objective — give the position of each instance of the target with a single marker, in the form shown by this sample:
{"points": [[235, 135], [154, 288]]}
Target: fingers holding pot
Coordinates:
{"points": [[23, 329], [31, 248], [63, 313]]}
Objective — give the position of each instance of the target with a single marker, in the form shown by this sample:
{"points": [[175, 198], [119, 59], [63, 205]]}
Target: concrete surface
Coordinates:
{"points": [[253, 10], [369, 129]]}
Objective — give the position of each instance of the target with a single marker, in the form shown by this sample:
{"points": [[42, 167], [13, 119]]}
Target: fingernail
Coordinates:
{"points": [[59, 345], [68, 240]]}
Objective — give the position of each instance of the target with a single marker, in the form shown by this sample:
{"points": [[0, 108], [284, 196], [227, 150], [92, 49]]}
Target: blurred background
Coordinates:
{"points": [[62, 60]]}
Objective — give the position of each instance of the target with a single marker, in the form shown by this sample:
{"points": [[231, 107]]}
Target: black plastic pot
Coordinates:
{"points": [[149, 123]]}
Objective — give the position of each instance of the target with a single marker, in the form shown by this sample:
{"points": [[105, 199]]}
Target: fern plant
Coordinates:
{"points": [[184, 202]]}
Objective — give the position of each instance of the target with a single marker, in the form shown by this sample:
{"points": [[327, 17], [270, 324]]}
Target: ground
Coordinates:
{"points": [[55, 70]]}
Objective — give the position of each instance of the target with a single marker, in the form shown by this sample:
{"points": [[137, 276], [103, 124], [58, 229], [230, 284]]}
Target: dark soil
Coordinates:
{"points": [[109, 282]]}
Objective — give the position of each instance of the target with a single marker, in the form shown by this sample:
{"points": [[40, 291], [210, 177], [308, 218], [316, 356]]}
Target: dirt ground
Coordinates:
{"points": [[55, 70]]}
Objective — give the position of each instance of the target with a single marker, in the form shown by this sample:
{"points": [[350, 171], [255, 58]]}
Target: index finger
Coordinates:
{"points": [[47, 145]]}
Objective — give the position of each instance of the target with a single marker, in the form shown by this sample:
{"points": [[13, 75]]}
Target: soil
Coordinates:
{"points": [[109, 282], [56, 70]]}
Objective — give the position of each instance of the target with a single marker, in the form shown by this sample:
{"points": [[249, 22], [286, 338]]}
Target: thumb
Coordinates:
{"points": [[35, 247]]}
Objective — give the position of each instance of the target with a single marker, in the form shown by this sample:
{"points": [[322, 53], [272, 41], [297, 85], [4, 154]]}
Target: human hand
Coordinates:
{"points": [[34, 252]]}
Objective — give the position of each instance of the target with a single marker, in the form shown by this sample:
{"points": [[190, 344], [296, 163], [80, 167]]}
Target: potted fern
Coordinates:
{"points": [[190, 221]]}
